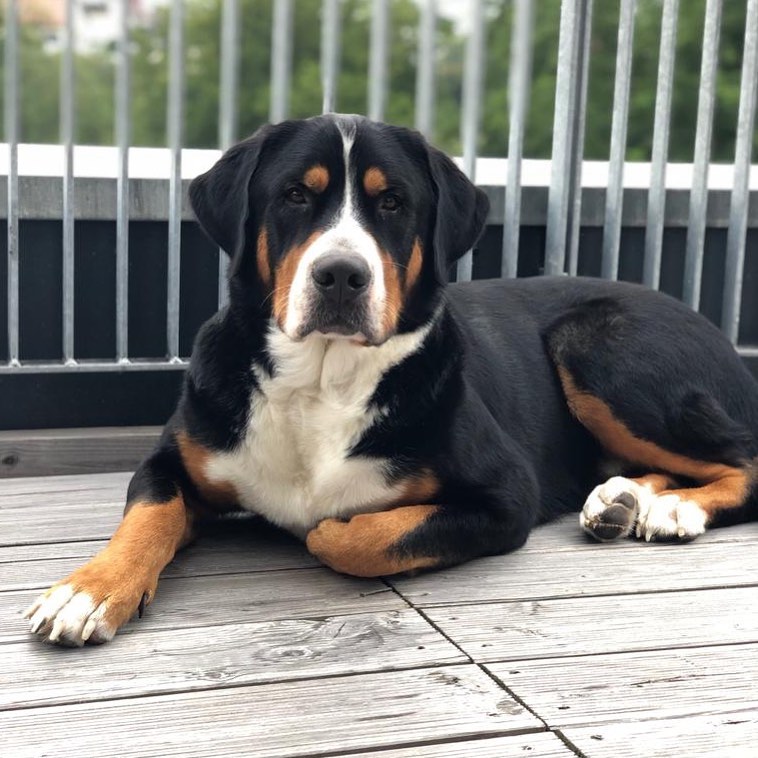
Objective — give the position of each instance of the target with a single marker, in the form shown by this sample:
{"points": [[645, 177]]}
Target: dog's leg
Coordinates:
{"points": [[93, 602], [414, 537]]}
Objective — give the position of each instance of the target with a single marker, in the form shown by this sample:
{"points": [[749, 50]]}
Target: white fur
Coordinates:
{"points": [[346, 235], [292, 465], [656, 515], [670, 516], [67, 617]]}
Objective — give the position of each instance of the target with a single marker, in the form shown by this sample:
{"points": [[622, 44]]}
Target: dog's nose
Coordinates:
{"points": [[341, 278]]}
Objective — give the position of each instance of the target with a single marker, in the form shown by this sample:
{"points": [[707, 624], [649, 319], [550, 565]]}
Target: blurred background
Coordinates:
{"points": [[97, 30]]}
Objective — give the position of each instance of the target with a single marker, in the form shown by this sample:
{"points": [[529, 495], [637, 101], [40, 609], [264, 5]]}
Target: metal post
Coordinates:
{"points": [[67, 127], [379, 63], [656, 202], [123, 108], [175, 121], [737, 232], [564, 196], [573, 220], [614, 197], [281, 60], [11, 76], [472, 95], [424, 118], [518, 91], [693, 261], [227, 117], [330, 52]]}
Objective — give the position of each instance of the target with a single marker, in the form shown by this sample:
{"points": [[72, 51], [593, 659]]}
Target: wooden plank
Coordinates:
{"points": [[231, 655], [46, 452], [524, 575], [566, 534], [734, 735], [41, 485], [234, 598], [539, 745], [283, 719], [630, 687], [225, 547], [588, 626]]}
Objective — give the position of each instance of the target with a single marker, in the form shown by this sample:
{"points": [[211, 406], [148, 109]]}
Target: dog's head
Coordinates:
{"points": [[339, 225]]}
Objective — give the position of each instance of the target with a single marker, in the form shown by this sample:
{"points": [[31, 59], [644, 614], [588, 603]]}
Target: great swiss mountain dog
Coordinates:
{"points": [[395, 423]]}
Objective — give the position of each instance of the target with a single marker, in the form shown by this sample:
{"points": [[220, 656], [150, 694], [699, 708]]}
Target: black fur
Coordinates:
{"points": [[480, 405]]}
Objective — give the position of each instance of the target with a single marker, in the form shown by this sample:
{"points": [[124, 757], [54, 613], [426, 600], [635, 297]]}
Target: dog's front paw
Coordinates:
{"points": [[90, 605]]}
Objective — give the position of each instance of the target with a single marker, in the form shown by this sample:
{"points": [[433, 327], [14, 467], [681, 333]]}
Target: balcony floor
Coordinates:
{"points": [[565, 647]]}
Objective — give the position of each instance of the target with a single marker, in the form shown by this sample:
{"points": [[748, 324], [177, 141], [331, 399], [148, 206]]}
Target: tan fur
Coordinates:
{"points": [[195, 458], [316, 179], [722, 487], [262, 259], [125, 573], [394, 297], [414, 266], [374, 181], [285, 273], [364, 545]]}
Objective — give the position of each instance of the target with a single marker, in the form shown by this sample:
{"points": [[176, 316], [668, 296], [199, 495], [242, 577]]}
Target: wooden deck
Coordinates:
{"points": [[564, 648]]}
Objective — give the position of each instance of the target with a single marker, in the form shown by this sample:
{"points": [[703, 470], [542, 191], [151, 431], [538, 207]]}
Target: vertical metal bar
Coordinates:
{"points": [[227, 117], [11, 77], [693, 260], [564, 125], [379, 64], [656, 199], [736, 234], [123, 107], [281, 60], [473, 75], [518, 90], [574, 217], [424, 118], [67, 126], [614, 196], [330, 52], [175, 120]]}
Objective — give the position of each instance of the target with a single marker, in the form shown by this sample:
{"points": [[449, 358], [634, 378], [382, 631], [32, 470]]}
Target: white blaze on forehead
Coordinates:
{"points": [[345, 235]]}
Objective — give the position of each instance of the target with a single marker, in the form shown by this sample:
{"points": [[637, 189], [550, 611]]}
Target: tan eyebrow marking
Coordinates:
{"points": [[316, 178], [374, 181]]}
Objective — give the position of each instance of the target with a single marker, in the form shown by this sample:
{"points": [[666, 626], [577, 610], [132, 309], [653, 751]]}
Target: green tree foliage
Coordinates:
{"points": [[95, 76]]}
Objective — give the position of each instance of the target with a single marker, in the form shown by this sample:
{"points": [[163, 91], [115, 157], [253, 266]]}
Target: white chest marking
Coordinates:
{"points": [[292, 465]]}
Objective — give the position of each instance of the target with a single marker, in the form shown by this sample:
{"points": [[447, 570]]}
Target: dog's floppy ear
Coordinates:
{"points": [[219, 197], [460, 214]]}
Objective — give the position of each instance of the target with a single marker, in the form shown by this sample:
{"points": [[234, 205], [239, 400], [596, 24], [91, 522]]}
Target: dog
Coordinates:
{"points": [[398, 423]]}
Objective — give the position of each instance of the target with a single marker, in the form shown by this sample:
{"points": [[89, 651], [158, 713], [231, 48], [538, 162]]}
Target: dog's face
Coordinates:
{"points": [[338, 225]]}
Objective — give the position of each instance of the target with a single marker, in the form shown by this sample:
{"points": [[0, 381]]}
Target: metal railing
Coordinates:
{"points": [[564, 203]]}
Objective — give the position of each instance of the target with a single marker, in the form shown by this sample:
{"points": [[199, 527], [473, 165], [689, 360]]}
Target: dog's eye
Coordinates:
{"points": [[295, 196], [389, 202]]}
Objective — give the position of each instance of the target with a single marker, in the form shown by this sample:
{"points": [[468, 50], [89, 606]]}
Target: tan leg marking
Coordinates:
{"points": [[364, 545], [98, 598], [722, 487], [285, 273], [316, 178], [374, 181]]}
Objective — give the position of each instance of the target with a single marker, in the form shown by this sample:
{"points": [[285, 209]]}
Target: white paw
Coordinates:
{"points": [[611, 509], [670, 516], [66, 617]]}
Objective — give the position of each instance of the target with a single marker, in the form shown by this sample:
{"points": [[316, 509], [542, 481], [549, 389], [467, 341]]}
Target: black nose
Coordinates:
{"points": [[341, 278]]}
